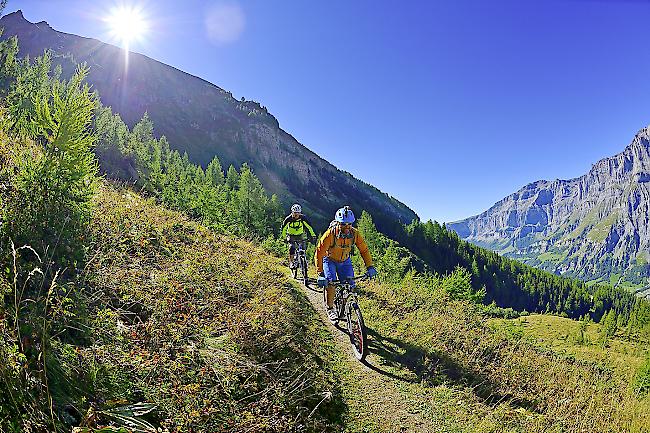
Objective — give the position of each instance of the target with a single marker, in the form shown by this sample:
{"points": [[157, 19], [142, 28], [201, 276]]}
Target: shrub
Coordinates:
{"points": [[51, 205], [459, 286], [274, 246]]}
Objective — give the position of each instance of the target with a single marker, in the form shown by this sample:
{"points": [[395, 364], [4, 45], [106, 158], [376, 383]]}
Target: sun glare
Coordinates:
{"points": [[127, 24]]}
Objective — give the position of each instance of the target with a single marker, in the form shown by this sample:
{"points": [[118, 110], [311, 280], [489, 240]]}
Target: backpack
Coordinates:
{"points": [[334, 227]]}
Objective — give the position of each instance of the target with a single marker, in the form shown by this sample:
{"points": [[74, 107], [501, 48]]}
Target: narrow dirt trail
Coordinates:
{"points": [[381, 395]]}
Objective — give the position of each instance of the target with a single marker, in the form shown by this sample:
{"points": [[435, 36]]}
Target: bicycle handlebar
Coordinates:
{"points": [[301, 241], [347, 280]]}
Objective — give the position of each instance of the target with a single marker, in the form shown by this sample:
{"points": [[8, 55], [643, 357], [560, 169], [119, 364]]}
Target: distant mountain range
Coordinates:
{"points": [[205, 120], [595, 227]]}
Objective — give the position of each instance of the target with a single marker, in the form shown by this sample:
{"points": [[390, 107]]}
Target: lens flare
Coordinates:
{"points": [[127, 24]]}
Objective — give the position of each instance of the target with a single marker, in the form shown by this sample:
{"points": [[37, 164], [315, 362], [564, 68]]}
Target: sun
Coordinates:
{"points": [[127, 24]]}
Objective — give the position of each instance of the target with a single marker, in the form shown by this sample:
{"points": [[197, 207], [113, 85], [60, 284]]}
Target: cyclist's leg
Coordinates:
{"points": [[345, 270], [329, 268], [292, 252]]}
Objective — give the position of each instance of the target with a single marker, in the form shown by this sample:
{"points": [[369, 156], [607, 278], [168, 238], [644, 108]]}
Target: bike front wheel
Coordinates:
{"points": [[303, 270], [357, 331]]}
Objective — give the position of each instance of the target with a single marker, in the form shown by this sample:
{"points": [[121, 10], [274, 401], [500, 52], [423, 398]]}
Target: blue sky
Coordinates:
{"points": [[447, 105]]}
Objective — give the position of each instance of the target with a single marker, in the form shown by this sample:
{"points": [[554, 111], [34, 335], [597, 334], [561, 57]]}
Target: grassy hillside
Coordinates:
{"points": [[120, 315], [204, 327], [209, 330], [622, 354], [493, 380]]}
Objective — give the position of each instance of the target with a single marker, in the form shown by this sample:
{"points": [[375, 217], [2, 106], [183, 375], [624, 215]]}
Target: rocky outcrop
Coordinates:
{"points": [[595, 227], [205, 120]]}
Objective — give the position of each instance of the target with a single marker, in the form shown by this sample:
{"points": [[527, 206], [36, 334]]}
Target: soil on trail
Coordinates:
{"points": [[384, 393]]}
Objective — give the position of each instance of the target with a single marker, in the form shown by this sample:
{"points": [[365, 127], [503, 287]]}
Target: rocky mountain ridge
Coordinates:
{"points": [[595, 227], [205, 120]]}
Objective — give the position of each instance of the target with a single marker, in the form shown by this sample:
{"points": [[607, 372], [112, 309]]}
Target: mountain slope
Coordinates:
{"points": [[210, 331], [205, 120], [593, 227]]}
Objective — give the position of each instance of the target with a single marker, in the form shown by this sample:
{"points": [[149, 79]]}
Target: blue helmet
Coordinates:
{"points": [[344, 215]]}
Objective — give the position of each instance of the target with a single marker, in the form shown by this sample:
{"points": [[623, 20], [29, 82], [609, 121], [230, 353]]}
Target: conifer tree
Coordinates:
{"points": [[232, 179], [214, 172], [53, 202], [250, 203]]}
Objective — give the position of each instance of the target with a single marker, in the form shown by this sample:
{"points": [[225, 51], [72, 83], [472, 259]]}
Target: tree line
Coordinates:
{"points": [[232, 202], [511, 284]]}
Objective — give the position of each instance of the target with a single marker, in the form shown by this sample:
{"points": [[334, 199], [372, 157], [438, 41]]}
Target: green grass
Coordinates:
{"points": [[587, 222], [621, 355], [600, 231], [614, 279], [553, 256], [207, 328], [211, 330], [225, 342], [511, 381]]}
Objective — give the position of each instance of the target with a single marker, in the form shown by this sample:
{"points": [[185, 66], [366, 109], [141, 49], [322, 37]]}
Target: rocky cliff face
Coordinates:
{"points": [[595, 227], [205, 120]]}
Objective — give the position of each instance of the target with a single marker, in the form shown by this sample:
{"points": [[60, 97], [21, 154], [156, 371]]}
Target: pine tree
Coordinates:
{"points": [[55, 187], [250, 203], [33, 82], [232, 179], [214, 172]]}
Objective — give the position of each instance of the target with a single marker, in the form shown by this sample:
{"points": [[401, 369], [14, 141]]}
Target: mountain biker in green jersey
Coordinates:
{"points": [[295, 227]]}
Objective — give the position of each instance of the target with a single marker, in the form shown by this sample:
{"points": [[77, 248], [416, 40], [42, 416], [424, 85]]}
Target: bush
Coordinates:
{"points": [[459, 286], [274, 246], [51, 204], [493, 310]]}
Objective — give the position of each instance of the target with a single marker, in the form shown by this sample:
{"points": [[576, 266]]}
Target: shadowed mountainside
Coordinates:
{"points": [[205, 120]]}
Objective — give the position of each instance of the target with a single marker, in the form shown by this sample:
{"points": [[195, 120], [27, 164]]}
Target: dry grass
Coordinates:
{"points": [[205, 326]]}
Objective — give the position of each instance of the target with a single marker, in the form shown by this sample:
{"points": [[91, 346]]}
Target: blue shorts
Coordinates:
{"points": [[333, 269]]}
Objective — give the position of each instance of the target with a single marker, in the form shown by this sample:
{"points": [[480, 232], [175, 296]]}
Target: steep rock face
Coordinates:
{"points": [[204, 120], [593, 227]]}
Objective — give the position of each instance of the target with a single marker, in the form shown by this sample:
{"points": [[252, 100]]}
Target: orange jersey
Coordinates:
{"points": [[338, 248]]}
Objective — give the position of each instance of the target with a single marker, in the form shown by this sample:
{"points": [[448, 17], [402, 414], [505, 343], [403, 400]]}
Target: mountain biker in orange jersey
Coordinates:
{"points": [[333, 254], [294, 227]]}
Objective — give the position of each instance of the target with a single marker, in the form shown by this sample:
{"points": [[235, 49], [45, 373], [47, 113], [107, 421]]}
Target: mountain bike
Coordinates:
{"points": [[347, 307], [300, 261]]}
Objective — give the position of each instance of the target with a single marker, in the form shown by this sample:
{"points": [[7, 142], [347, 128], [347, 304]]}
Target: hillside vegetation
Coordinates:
{"points": [[205, 327]]}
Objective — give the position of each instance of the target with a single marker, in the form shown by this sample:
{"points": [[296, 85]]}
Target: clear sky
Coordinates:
{"points": [[447, 105]]}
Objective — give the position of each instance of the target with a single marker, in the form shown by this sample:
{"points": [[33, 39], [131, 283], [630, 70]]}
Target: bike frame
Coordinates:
{"points": [[300, 259], [301, 249], [346, 303], [344, 292]]}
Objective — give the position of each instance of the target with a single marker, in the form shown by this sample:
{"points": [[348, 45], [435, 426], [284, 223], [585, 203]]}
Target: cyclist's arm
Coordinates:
{"points": [[309, 229], [321, 248], [285, 225], [363, 249]]}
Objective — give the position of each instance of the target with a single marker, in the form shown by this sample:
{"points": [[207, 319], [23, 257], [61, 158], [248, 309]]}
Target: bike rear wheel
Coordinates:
{"points": [[357, 332]]}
